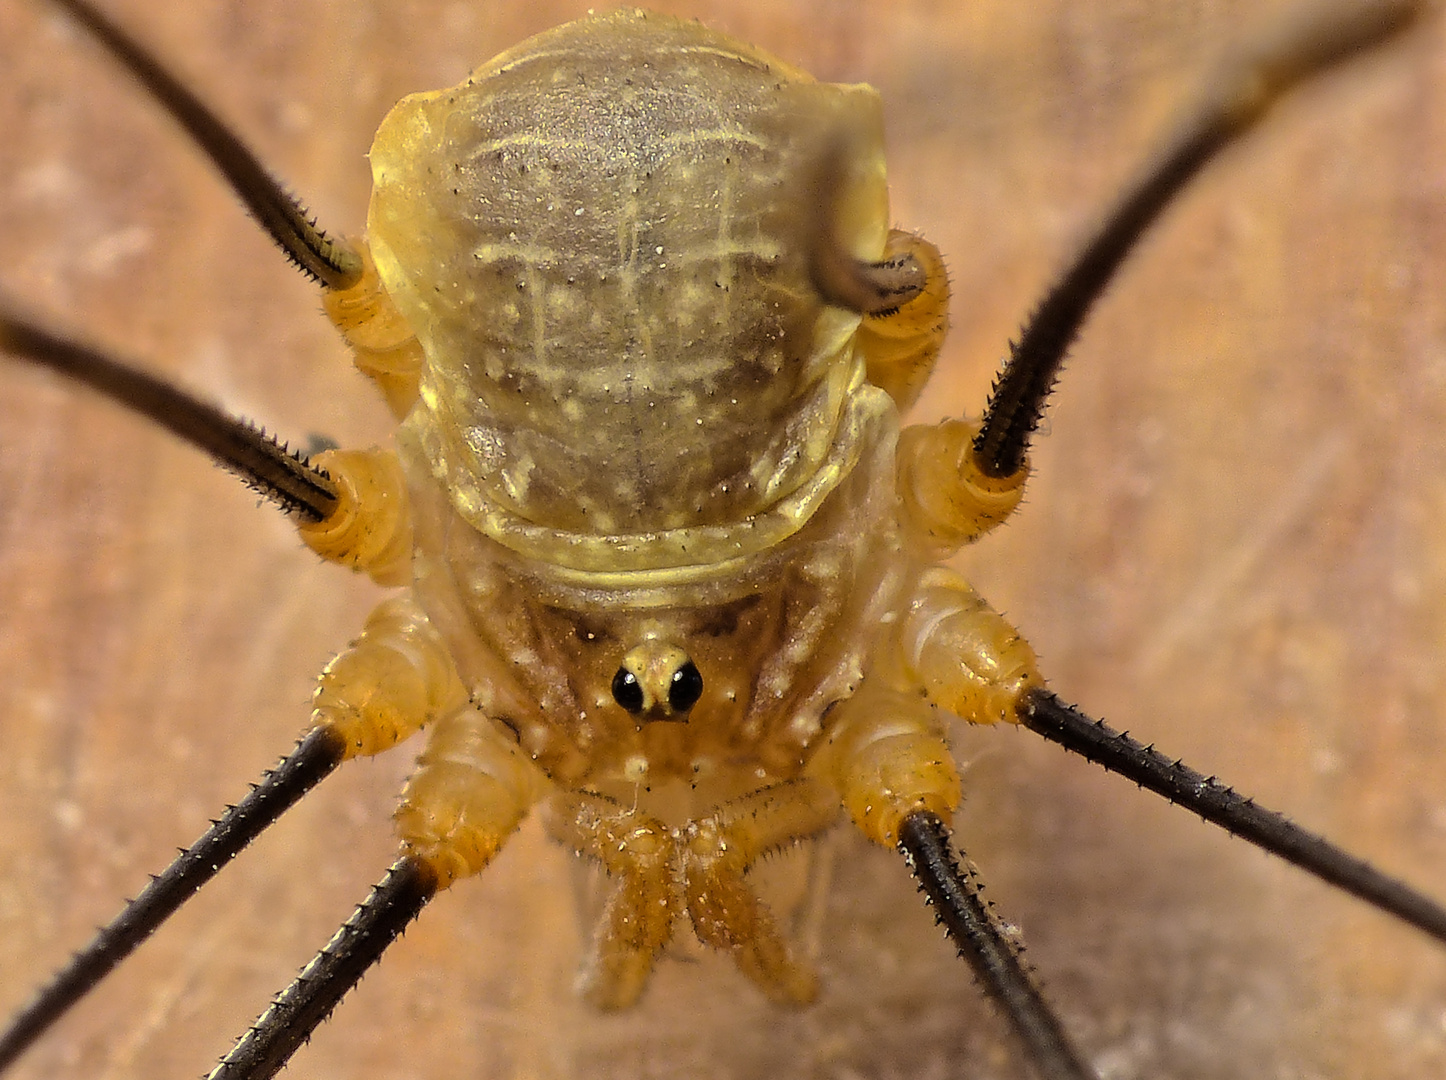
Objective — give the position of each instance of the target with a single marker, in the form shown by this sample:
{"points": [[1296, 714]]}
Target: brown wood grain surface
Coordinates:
{"points": [[1233, 547]]}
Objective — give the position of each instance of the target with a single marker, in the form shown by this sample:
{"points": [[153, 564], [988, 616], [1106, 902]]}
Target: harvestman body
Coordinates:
{"points": [[671, 572]]}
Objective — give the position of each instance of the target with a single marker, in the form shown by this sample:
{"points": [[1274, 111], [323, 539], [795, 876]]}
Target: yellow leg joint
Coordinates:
{"points": [[472, 788], [393, 680], [371, 528], [900, 348], [884, 755], [382, 343], [946, 500], [966, 657]]}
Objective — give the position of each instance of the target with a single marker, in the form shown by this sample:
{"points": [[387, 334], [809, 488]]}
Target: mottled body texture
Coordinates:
{"points": [[599, 241], [638, 419]]}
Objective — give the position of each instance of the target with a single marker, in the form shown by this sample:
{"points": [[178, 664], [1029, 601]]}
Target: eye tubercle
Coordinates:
{"points": [[657, 681]]}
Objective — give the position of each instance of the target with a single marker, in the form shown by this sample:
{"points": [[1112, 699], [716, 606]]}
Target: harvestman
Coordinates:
{"points": [[654, 680]]}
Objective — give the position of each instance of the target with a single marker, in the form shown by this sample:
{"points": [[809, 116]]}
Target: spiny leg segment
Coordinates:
{"points": [[331, 262], [1243, 92], [1046, 715], [384, 348], [314, 758], [294, 1015], [995, 954], [262, 463]]}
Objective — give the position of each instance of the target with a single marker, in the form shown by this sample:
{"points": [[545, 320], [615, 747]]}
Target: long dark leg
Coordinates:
{"points": [[263, 463], [1235, 103], [991, 949], [311, 762], [331, 262], [1044, 713], [295, 1014], [994, 953]]}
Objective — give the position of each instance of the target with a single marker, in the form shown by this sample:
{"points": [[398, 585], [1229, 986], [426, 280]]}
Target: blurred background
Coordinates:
{"points": [[1232, 546]]}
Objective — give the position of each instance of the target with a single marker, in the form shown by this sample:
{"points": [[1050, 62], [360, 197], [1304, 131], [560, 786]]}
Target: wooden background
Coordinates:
{"points": [[1232, 547]]}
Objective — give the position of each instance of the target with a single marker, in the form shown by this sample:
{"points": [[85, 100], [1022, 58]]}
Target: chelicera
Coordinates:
{"points": [[615, 658]]}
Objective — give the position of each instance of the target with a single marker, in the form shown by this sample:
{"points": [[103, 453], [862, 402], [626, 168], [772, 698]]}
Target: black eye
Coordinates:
{"points": [[685, 690], [627, 691]]}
